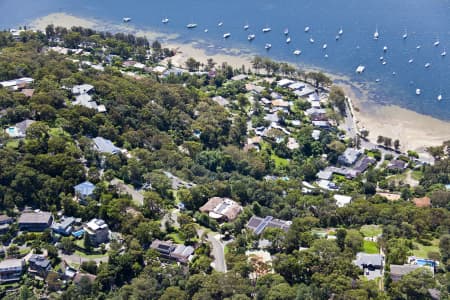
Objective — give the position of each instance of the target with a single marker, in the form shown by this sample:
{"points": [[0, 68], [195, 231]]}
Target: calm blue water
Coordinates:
{"points": [[425, 20]]}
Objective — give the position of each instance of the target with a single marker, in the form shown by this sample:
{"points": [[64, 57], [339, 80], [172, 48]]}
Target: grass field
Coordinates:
{"points": [[371, 230], [370, 247], [422, 251]]}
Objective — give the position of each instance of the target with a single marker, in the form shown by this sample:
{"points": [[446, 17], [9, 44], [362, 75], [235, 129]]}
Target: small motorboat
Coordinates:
{"points": [[444, 53], [165, 21], [381, 58], [439, 97], [411, 61], [418, 92], [126, 20], [191, 26], [206, 30], [286, 31], [384, 63], [297, 52], [341, 31], [288, 40], [251, 37], [437, 43], [307, 29], [338, 37], [394, 73], [405, 35], [220, 24], [418, 47], [325, 46], [268, 46], [226, 35], [246, 27], [385, 49], [311, 40], [377, 80], [427, 65], [326, 56], [266, 29], [376, 34]]}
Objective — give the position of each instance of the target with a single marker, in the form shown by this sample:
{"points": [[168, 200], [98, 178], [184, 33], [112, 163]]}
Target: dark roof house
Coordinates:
{"points": [[169, 250], [258, 225], [398, 271], [39, 266], [35, 221]]}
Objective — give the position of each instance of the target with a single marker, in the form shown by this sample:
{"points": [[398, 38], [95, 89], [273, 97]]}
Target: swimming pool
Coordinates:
{"points": [[426, 262]]}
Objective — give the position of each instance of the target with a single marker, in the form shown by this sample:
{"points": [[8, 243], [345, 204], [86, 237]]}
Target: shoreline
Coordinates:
{"points": [[414, 130]]}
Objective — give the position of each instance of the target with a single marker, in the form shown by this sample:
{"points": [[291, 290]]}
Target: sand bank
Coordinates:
{"points": [[415, 131]]}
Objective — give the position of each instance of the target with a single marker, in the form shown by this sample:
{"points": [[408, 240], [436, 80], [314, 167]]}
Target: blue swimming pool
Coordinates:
{"points": [[78, 233], [426, 262]]}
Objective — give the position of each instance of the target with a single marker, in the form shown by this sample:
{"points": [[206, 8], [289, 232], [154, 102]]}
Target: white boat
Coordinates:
{"points": [[226, 35], [341, 31], [251, 37], [311, 40], [338, 37], [220, 24], [418, 92], [427, 65], [411, 60], [126, 20], [206, 30], [191, 25], [405, 35], [286, 31], [381, 58], [437, 43], [325, 46], [384, 63], [268, 46], [307, 29], [444, 53], [246, 27], [385, 49], [377, 80], [297, 52], [165, 21], [266, 29], [439, 97], [326, 56], [394, 73], [360, 69], [376, 34], [418, 47], [288, 40]]}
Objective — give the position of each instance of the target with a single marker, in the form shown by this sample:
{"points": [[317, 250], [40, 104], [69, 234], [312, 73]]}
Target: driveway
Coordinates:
{"points": [[136, 195]]}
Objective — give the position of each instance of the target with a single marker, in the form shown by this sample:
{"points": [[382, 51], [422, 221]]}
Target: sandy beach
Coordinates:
{"points": [[415, 131]]}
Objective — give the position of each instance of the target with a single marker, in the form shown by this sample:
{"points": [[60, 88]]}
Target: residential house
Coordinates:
{"points": [[253, 143], [281, 104], [321, 124], [171, 251], [371, 264], [16, 84], [315, 134], [221, 100], [83, 191], [275, 95], [105, 146], [239, 77], [5, 221], [20, 129], [28, 92], [38, 265], [296, 86], [35, 221], [349, 157], [342, 200], [221, 208], [317, 114], [284, 82], [396, 165], [363, 163], [97, 231], [292, 144], [65, 226], [422, 202], [82, 89], [258, 225], [326, 174], [250, 87], [398, 271], [11, 270]]}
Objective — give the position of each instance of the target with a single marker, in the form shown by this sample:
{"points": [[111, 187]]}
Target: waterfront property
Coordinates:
{"points": [[349, 157], [35, 221]]}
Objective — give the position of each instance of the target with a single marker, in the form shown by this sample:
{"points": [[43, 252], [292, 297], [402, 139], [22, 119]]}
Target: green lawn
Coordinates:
{"points": [[371, 230], [422, 251], [12, 144], [279, 162], [176, 238], [370, 247], [416, 175], [91, 256]]}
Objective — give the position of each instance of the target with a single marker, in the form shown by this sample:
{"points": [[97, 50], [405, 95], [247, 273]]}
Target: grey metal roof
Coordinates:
{"points": [[105, 146]]}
